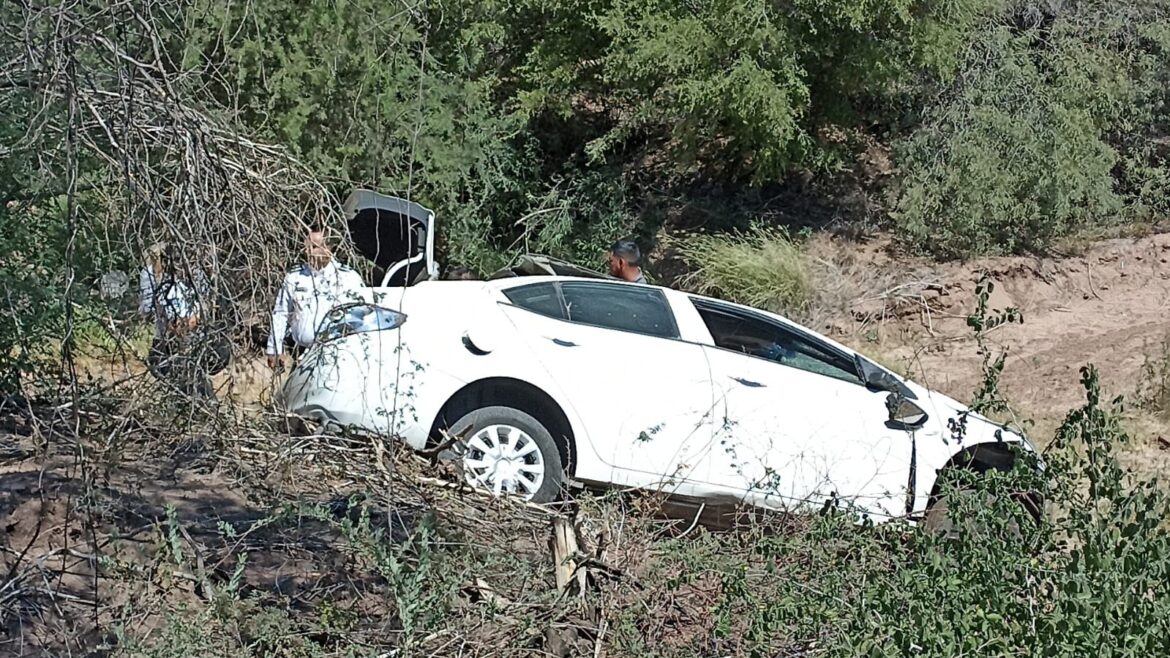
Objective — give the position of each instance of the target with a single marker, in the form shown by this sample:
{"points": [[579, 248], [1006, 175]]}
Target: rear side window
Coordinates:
{"points": [[541, 298], [607, 305], [622, 307]]}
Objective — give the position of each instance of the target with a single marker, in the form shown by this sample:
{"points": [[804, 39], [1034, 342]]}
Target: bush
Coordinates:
{"points": [[1153, 392], [761, 267], [31, 325], [735, 87], [1013, 156]]}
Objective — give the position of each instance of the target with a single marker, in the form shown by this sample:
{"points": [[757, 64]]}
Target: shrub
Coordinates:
{"points": [[1013, 156], [761, 267], [1153, 392]]}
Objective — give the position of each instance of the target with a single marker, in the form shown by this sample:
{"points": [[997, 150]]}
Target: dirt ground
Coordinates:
{"points": [[1108, 307]]}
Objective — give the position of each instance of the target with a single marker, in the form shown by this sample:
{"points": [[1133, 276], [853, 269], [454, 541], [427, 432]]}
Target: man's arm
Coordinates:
{"points": [[145, 292], [280, 312]]}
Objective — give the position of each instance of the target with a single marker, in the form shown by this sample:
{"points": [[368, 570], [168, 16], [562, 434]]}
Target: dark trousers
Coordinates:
{"points": [[188, 361], [294, 350]]}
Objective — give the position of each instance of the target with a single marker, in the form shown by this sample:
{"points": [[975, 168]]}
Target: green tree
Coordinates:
{"points": [[1045, 132], [368, 93], [738, 87]]}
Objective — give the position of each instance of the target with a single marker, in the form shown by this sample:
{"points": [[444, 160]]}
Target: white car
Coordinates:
{"points": [[550, 373]]}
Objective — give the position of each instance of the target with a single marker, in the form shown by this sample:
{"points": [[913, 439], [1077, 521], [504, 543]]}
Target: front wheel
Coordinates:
{"points": [[506, 451], [941, 519]]}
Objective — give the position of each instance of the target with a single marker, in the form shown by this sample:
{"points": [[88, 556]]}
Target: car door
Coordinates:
{"points": [[643, 396], [796, 425]]}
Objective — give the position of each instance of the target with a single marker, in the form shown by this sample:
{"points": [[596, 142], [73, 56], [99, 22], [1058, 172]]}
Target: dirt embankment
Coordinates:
{"points": [[1109, 306]]}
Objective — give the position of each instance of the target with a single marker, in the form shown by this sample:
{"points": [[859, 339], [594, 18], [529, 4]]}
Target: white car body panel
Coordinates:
{"points": [[677, 414], [819, 436], [639, 393]]}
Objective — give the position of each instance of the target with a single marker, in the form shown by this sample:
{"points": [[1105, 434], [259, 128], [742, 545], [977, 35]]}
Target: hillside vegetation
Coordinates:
{"points": [[966, 127]]}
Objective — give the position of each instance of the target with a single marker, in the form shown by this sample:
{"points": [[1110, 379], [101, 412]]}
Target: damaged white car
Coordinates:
{"points": [[549, 373]]}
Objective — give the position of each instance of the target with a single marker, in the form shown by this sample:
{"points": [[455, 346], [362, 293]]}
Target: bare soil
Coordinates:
{"points": [[1108, 307]]}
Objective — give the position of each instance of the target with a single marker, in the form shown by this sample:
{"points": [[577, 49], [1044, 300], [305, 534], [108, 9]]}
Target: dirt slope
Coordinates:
{"points": [[1109, 307]]}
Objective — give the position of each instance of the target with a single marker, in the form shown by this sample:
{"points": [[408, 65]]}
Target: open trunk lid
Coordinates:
{"points": [[397, 235]]}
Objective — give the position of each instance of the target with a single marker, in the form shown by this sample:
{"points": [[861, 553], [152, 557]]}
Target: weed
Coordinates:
{"points": [[988, 398], [1153, 392], [762, 267]]}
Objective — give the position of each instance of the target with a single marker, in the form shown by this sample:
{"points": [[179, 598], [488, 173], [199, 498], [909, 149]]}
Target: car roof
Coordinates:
{"points": [[517, 281]]}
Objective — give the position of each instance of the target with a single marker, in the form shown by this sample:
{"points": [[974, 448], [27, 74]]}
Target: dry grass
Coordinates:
{"points": [[1153, 391], [243, 544], [762, 267]]}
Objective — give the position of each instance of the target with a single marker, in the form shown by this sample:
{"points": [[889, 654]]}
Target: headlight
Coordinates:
{"points": [[356, 319]]}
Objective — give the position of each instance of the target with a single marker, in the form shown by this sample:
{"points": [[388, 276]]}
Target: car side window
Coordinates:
{"points": [[541, 298], [616, 306], [758, 337]]}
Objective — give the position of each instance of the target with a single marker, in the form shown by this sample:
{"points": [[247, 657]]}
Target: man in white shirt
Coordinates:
{"points": [[182, 351], [309, 291]]}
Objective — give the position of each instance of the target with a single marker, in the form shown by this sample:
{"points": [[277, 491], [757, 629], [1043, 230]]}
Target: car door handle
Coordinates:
{"points": [[563, 343], [748, 382]]}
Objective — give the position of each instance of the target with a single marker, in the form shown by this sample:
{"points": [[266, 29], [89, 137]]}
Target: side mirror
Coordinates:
{"points": [[904, 414]]}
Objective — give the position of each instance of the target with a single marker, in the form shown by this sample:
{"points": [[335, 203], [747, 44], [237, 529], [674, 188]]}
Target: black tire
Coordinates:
{"points": [[941, 521], [475, 424]]}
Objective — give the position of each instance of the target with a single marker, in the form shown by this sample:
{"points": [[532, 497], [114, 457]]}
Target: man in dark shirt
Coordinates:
{"points": [[625, 261]]}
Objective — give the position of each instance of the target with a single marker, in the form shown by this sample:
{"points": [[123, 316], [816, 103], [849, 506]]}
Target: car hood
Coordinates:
{"points": [[979, 429]]}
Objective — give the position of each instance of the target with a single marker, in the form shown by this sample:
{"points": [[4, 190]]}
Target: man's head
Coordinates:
{"points": [[155, 255], [317, 251], [625, 260]]}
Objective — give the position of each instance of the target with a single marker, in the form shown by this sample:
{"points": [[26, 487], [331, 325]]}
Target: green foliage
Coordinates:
{"points": [[761, 267], [1139, 130], [1044, 132], [1011, 164], [734, 86], [32, 294], [33, 239], [577, 218], [988, 398], [366, 94], [421, 583]]}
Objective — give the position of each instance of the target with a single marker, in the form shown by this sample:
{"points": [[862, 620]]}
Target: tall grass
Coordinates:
{"points": [[761, 267], [1153, 393]]}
